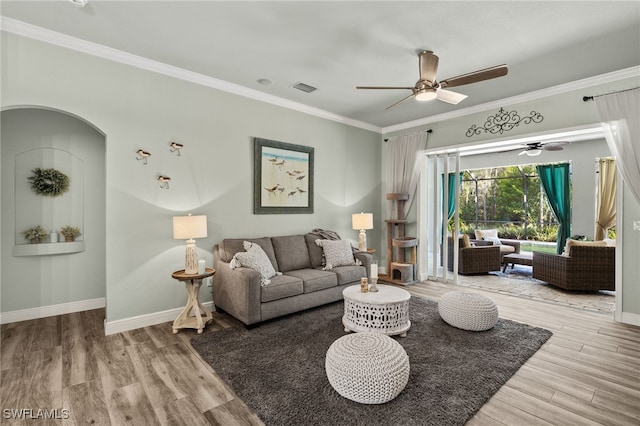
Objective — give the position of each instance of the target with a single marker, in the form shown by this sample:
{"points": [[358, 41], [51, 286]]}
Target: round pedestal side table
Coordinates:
{"points": [[186, 319], [385, 311]]}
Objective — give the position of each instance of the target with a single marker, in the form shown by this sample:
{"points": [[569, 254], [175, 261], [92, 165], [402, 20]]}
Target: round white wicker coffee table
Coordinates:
{"points": [[369, 368], [386, 311]]}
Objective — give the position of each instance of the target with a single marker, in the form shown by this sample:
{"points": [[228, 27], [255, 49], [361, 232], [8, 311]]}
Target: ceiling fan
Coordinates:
{"points": [[535, 148], [428, 88]]}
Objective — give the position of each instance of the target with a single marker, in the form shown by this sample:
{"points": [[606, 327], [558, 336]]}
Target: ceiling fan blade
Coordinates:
{"points": [[400, 101], [552, 147], [450, 96], [474, 77], [383, 87], [428, 66]]}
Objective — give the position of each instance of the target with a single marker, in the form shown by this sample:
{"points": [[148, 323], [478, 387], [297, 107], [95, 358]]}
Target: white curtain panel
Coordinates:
{"points": [[404, 160], [620, 113]]}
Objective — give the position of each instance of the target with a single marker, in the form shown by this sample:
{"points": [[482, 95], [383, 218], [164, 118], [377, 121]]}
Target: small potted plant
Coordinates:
{"points": [[70, 233], [35, 234]]}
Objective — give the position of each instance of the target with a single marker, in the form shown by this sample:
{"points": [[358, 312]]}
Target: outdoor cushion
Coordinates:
{"points": [[315, 279], [572, 243], [482, 234]]}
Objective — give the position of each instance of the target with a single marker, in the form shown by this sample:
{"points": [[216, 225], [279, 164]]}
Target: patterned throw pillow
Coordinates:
{"points": [[337, 253], [254, 258]]}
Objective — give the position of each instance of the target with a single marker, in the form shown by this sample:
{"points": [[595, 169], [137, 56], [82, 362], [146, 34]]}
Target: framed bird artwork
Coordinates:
{"points": [[283, 178]]}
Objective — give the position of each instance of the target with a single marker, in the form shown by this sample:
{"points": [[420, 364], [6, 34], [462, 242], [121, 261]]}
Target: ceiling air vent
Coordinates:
{"points": [[304, 87]]}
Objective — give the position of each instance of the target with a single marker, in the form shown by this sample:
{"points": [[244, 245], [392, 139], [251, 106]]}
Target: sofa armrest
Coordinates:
{"points": [[237, 291], [366, 259], [514, 243]]}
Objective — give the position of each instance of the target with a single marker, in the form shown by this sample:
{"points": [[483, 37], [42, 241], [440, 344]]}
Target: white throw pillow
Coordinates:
{"points": [[337, 253], [482, 234], [495, 240], [255, 258]]}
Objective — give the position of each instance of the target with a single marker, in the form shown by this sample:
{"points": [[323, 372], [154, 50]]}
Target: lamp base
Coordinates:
{"points": [[191, 258], [362, 240]]}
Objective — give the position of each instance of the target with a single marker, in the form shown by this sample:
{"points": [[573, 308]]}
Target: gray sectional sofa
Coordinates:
{"points": [[302, 284]]}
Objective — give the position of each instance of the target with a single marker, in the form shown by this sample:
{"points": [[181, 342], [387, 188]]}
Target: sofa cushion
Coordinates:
{"points": [[255, 258], [230, 246], [349, 274], [281, 286], [315, 251], [315, 279], [291, 252], [337, 253]]}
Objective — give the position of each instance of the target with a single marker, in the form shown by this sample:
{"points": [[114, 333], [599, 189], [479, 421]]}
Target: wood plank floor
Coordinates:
{"points": [[588, 373]]}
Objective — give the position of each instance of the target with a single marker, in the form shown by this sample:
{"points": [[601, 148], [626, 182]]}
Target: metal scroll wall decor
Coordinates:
{"points": [[504, 121]]}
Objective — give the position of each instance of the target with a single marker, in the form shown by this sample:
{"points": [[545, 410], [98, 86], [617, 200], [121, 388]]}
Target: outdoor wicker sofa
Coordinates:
{"points": [[587, 268]]}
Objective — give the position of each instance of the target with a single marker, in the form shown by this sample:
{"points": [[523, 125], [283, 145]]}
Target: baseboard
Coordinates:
{"points": [[630, 318], [51, 310], [126, 324]]}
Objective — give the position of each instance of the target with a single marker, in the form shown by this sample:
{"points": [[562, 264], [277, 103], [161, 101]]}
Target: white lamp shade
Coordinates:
{"points": [[189, 227], [362, 221]]}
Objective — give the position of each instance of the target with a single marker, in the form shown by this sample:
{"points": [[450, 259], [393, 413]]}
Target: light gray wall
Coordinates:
{"points": [[582, 156], [213, 176], [35, 281], [560, 112]]}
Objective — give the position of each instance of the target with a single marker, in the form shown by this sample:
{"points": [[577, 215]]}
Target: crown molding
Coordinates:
{"points": [[525, 97], [52, 37]]}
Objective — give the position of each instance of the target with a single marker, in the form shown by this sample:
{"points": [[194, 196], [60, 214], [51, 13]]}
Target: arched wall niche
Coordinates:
{"points": [[63, 272]]}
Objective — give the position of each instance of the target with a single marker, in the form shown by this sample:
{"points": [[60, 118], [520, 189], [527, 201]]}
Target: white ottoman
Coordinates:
{"points": [[468, 311], [369, 368]]}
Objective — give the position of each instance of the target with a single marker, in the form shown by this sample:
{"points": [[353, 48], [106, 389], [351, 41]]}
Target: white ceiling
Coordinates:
{"points": [[335, 45]]}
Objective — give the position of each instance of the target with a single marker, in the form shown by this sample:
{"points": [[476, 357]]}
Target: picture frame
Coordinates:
{"points": [[283, 177]]}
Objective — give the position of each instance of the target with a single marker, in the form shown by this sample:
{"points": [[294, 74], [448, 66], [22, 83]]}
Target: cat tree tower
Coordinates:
{"points": [[399, 271]]}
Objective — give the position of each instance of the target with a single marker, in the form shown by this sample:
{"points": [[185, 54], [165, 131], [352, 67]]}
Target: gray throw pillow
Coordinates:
{"points": [[255, 258], [337, 253]]}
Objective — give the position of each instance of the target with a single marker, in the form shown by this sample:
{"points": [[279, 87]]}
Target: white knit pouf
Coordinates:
{"points": [[369, 368], [468, 311]]}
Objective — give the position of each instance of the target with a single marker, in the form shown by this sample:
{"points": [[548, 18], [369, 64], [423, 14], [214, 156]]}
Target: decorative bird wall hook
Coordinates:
{"points": [[164, 181], [142, 155], [175, 147]]}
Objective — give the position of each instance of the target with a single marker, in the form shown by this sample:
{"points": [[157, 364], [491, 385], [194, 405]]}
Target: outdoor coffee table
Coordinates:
{"points": [[525, 258], [385, 311]]}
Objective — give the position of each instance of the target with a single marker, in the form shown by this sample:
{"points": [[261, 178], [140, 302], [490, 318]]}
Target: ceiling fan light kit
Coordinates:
{"points": [[426, 95], [428, 88]]}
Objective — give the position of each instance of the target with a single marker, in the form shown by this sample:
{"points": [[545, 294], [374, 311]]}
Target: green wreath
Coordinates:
{"points": [[49, 182]]}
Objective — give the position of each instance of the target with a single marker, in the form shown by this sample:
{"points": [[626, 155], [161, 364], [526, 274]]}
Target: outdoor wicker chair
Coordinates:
{"points": [[475, 260], [588, 268]]}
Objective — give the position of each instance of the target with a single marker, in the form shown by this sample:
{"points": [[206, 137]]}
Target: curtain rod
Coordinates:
{"points": [[428, 131], [590, 98]]}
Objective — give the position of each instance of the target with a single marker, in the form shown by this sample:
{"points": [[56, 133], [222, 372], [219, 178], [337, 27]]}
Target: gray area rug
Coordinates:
{"points": [[277, 368]]}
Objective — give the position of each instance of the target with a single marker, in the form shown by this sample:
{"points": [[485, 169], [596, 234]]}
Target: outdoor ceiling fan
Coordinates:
{"points": [[535, 148], [428, 88]]}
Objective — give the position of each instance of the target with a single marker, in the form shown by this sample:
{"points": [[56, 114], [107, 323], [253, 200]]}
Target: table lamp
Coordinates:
{"points": [[362, 221], [188, 228]]}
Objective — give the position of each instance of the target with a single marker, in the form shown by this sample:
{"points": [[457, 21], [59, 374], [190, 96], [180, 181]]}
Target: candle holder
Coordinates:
{"points": [[373, 288]]}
